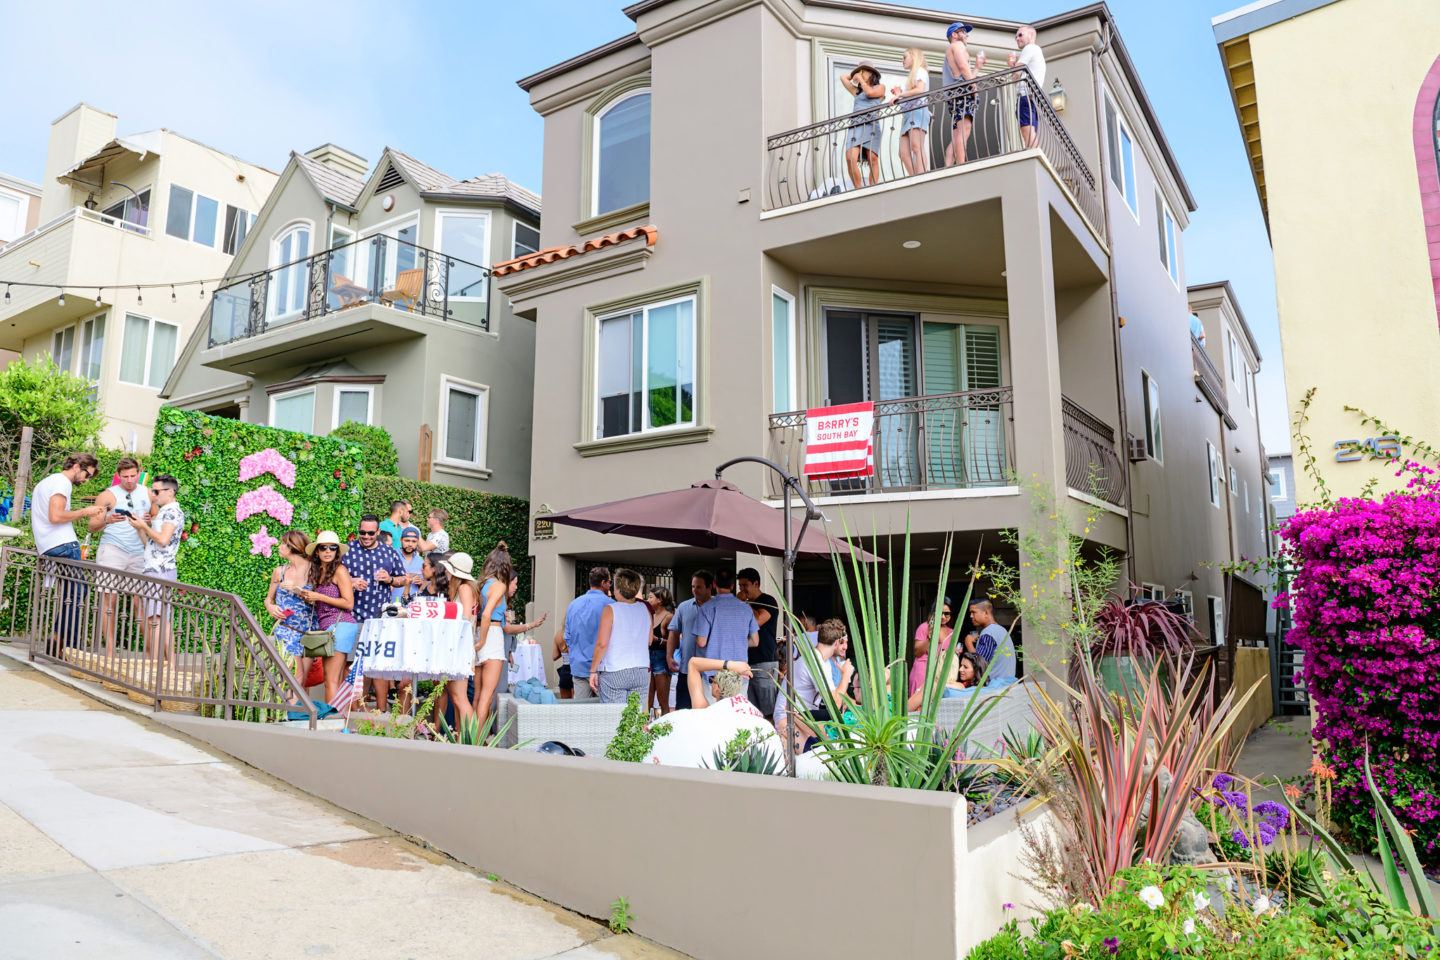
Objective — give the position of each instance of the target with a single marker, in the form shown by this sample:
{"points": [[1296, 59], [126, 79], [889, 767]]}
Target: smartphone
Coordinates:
{"points": [[120, 512]]}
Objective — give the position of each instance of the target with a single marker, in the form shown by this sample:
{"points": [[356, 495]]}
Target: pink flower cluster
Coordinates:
{"points": [[1366, 600], [266, 461], [264, 500]]}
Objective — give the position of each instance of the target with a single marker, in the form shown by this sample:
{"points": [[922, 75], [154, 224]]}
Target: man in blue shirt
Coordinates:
{"points": [[691, 621], [582, 624], [993, 642], [733, 630], [372, 566]]}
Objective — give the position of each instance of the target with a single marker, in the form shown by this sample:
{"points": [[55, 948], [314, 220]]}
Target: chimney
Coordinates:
{"points": [[338, 158], [74, 136]]}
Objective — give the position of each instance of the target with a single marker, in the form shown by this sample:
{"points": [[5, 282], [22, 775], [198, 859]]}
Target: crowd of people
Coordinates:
{"points": [[865, 85]]}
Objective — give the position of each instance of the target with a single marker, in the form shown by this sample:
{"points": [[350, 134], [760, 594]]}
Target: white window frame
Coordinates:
{"points": [[1249, 389], [791, 402], [218, 243], [1170, 251], [80, 346], [1152, 591], [437, 231], [272, 313], [644, 311], [1213, 463], [1234, 482], [595, 121], [388, 229], [482, 423], [1234, 356], [1187, 603], [1215, 612], [1246, 484], [515, 226], [58, 334], [294, 393], [1122, 130], [365, 388], [151, 323], [1154, 422], [1277, 480]]}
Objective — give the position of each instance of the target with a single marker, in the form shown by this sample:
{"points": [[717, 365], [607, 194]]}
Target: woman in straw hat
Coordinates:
{"points": [[863, 141], [333, 597]]}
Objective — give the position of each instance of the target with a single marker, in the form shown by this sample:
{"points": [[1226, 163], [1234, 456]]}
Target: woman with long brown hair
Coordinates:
{"points": [[293, 616], [662, 609], [491, 628], [333, 597]]}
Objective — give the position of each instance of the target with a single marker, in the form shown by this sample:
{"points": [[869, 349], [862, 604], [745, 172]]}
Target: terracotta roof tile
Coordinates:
{"points": [[550, 254]]}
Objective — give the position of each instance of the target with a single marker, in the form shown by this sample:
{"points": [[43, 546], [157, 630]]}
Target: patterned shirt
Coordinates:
{"points": [[731, 623], [158, 558], [582, 626], [441, 539], [363, 564]]}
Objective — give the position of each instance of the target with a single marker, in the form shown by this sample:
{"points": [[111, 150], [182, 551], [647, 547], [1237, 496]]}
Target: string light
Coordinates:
{"points": [[172, 293], [139, 298], [97, 296], [7, 294], [61, 301]]}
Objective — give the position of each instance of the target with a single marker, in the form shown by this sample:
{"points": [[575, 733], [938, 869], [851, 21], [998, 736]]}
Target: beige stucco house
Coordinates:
{"points": [[117, 215], [364, 294], [712, 270], [19, 207]]}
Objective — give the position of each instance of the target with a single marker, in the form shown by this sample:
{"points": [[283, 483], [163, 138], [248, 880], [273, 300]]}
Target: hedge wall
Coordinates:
{"points": [[204, 453], [477, 520]]}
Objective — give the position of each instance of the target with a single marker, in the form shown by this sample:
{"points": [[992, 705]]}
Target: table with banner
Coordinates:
{"points": [[401, 648], [528, 663]]}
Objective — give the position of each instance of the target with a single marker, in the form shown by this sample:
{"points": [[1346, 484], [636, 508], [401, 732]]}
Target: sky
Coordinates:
{"points": [[259, 78]]}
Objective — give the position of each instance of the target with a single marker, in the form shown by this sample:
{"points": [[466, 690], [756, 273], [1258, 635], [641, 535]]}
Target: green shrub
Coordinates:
{"points": [[636, 734], [379, 456], [59, 407], [204, 454], [477, 520]]}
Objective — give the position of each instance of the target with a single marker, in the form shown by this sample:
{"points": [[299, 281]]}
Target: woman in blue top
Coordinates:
{"points": [[863, 141], [293, 616], [914, 157], [490, 627]]}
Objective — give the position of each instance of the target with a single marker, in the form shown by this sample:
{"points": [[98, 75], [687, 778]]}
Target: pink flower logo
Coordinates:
{"points": [[266, 461], [264, 500], [261, 543]]}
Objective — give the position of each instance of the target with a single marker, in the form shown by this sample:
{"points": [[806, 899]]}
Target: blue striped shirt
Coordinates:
{"points": [[731, 623]]}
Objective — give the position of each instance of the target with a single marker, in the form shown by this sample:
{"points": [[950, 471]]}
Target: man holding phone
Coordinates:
{"points": [[120, 545]]}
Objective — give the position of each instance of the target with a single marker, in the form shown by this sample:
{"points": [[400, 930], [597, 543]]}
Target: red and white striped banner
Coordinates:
{"points": [[837, 440]]}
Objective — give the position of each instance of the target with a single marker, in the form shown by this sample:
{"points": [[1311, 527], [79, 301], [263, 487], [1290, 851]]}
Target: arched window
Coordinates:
{"points": [[287, 285], [622, 154], [1427, 160]]}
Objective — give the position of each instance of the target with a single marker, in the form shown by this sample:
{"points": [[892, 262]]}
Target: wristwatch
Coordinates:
{"points": [[725, 665]]}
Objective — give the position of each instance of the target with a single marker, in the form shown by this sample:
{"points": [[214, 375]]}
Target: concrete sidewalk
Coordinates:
{"points": [[121, 839]]}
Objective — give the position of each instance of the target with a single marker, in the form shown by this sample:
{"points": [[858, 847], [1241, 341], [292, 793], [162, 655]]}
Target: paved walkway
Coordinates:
{"points": [[121, 839]]}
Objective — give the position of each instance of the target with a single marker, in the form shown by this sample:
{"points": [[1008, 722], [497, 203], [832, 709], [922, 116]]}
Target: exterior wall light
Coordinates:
{"points": [[1057, 96]]}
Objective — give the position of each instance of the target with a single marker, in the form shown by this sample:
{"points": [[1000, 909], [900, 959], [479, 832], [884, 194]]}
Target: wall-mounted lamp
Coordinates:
{"points": [[90, 203], [1057, 96]]}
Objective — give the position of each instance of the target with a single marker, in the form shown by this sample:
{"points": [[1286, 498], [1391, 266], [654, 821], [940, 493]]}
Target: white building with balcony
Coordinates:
{"points": [[121, 218]]}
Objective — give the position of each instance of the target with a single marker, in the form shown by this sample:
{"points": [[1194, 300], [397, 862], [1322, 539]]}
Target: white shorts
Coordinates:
{"points": [[157, 601], [494, 648], [117, 558]]}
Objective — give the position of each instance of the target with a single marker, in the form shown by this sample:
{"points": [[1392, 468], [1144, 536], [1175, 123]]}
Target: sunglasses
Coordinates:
{"points": [[369, 533], [155, 490], [326, 546]]}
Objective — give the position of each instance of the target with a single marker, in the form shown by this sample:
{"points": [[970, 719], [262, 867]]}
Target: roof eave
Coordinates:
{"points": [[589, 56]]}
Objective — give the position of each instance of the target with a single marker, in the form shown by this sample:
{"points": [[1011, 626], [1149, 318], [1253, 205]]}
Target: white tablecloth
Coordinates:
{"points": [[529, 663], [397, 648]]}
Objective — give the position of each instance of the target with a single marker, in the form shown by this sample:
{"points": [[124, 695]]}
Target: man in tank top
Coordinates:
{"points": [[120, 546]]}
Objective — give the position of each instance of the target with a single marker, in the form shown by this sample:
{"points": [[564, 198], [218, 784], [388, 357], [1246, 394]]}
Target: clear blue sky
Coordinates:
{"points": [[437, 80]]}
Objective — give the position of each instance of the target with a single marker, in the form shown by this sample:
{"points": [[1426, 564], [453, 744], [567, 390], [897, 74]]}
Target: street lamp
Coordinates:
{"points": [[139, 204]]}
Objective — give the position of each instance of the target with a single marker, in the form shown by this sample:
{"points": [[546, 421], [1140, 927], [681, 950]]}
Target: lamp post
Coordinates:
{"points": [[139, 203], [812, 512]]}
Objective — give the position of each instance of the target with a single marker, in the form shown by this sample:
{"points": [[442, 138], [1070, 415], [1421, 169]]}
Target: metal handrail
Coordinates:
{"points": [[171, 644], [808, 161], [1092, 464]]}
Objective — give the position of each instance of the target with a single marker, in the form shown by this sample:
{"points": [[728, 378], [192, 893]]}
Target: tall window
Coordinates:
{"points": [[62, 348], [1212, 459], [192, 216], [1277, 484], [92, 346], [287, 285], [294, 411], [237, 224], [1216, 610], [148, 352], [1154, 435], [622, 154], [645, 375], [782, 340], [131, 210], [1122, 156], [1169, 247], [465, 235], [353, 405], [464, 412], [527, 239]]}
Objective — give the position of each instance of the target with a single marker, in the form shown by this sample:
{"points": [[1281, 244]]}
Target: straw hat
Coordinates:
{"points": [[325, 537], [459, 565]]}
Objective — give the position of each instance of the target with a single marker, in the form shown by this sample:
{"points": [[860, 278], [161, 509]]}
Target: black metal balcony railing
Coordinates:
{"points": [[810, 163], [1092, 464], [381, 270], [950, 441]]}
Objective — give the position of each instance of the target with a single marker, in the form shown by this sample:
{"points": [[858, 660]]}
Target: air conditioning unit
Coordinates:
{"points": [[1137, 448]]}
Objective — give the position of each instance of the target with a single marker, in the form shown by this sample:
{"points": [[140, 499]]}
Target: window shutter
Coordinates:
{"points": [[982, 357]]}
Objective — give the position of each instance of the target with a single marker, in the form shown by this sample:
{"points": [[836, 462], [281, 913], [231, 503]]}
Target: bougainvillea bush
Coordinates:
{"points": [[1366, 598], [242, 486]]}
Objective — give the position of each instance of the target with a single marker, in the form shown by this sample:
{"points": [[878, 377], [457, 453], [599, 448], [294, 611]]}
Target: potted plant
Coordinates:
{"points": [[1130, 633]]}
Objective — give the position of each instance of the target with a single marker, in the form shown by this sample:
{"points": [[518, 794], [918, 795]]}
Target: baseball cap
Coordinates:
{"points": [[409, 532], [957, 25]]}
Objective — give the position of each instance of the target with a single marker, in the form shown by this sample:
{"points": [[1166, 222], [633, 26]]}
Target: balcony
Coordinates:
{"points": [[1092, 464], [364, 293], [1209, 381], [810, 164]]}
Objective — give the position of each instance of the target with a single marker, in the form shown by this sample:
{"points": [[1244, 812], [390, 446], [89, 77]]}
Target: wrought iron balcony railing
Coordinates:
{"points": [[383, 270], [950, 441], [810, 163], [1092, 464]]}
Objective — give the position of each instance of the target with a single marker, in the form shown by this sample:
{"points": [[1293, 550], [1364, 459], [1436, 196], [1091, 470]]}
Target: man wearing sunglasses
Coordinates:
{"points": [[120, 546], [373, 568], [162, 551], [52, 523]]}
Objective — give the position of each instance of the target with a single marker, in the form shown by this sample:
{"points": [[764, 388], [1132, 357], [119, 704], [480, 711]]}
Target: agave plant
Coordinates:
{"points": [[1108, 755], [1144, 629], [880, 741]]}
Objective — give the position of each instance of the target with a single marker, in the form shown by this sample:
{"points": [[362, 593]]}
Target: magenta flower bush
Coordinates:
{"points": [[1366, 599]]}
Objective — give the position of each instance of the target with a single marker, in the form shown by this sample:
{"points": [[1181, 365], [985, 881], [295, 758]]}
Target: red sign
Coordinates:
{"points": [[837, 440]]}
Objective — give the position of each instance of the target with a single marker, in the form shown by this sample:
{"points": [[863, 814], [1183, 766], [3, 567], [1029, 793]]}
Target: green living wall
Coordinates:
{"points": [[477, 520], [242, 486]]}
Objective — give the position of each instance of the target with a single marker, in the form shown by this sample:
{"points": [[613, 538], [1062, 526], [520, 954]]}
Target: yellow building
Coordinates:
{"points": [[1342, 127]]}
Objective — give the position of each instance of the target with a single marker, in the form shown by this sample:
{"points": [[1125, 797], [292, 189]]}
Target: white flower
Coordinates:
{"points": [[1261, 904], [1152, 897], [1202, 902], [1189, 927]]}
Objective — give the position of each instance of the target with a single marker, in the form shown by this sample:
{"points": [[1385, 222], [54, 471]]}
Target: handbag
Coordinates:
{"points": [[316, 676], [318, 643]]}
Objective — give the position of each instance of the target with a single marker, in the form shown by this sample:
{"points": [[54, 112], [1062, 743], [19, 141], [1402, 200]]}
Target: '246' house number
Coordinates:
{"points": [[1378, 448]]}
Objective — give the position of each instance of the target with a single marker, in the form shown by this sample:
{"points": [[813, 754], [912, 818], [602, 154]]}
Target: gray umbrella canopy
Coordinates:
{"points": [[712, 514]]}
